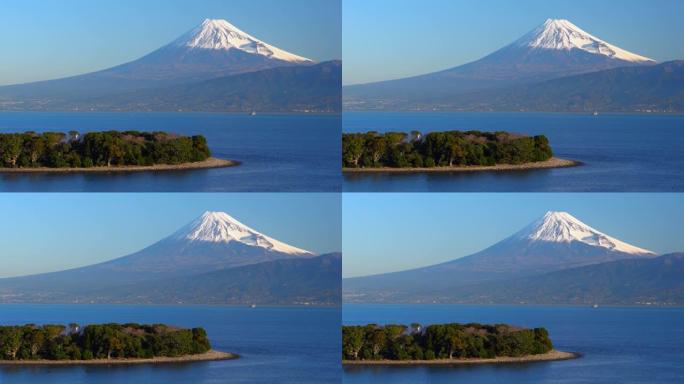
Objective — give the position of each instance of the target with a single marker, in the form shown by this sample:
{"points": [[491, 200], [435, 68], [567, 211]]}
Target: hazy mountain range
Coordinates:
{"points": [[537, 72], [214, 62], [215, 259], [556, 259], [652, 88], [300, 88]]}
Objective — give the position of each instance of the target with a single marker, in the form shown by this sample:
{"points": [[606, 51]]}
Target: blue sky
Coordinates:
{"points": [[45, 39], [391, 232], [48, 232], [388, 39]]}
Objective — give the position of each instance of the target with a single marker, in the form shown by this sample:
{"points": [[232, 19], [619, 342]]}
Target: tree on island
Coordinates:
{"points": [[99, 149], [99, 341], [443, 149], [441, 341]]}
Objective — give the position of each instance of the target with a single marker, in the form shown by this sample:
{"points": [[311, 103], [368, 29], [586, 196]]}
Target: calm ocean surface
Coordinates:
{"points": [[279, 152], [619, 152], [277, 344], [619, 344]]}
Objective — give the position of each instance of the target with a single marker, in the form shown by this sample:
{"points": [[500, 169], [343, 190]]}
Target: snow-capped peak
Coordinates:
{"points": [[562, 227], [219, 227], [561, 34], [219, 34]]}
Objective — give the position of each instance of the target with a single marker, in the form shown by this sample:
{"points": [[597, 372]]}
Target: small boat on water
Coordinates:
{"points": [[253, 306], [595, 306], [595, 113], [253, 113]]}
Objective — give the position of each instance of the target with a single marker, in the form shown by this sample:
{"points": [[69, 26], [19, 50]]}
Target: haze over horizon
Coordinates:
{"points": [[103, 35], [386, 233], [128, 223], [418, 38]]}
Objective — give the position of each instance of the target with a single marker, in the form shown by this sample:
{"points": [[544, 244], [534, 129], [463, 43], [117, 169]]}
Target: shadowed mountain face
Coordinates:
{"points": [[299, 88], [557, 241], [631, 281], [215, 49], [555, 49], [658, 88], [314, 280], [214, 243]]}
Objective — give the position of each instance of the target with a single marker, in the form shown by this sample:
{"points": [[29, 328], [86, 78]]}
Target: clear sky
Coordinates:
{"points": [[46, 39], [49, 232], [388, 39], [394, 231]]}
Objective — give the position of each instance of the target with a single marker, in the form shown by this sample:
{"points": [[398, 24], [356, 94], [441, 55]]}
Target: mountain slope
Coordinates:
{"points": [[213, 49], [555, 49], [629, 89], [313, 281], [215, 241], [632, 281], [213, 260], [284, 89], [556, 241]]}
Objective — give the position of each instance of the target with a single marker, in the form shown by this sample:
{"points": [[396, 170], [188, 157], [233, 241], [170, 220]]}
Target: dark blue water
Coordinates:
{"points": [[277, 345], [619, 345], [619, 152], [279, 152]]}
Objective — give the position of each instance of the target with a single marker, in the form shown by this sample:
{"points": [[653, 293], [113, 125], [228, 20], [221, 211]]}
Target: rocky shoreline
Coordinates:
{"points": [[553, 162], [552, 355], [211, 162], [211, 355]]}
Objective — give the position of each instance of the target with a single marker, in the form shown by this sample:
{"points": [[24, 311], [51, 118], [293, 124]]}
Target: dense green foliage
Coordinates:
{"points": [[441, 341], [99, 341], [441, 149], [99, 149]]}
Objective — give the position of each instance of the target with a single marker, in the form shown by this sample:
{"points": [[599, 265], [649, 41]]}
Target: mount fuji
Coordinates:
{"points": [[555, 49], [213, 243], [215, 49], [555, 242]]}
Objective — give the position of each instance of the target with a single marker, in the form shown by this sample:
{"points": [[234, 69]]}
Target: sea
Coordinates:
{"points": [[617, 344], [275, 344], [279, 152], [619, 152]]}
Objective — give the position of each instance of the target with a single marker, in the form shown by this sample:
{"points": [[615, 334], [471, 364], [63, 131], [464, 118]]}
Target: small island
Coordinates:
{"points": [[110, 151], [450, 151], [111, 343], [453, 343]]}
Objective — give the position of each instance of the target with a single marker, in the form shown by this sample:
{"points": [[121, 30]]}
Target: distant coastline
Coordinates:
{"points": [[516, 112], [553, 162], [553, 355], [211, 355], [211, 162]]}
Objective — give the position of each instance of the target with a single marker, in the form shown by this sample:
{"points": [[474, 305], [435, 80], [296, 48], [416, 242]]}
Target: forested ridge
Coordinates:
{"points": [[99, 149], [99, 341], [441, 149], [441, 341]]}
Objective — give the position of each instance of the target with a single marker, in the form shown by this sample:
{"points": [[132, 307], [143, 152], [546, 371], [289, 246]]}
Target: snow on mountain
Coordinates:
{"points": [[562, 227], [219, 227], [560, 34], [219, 34], [554, 50], [214, 49], [558, 241], [213, 242]]}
